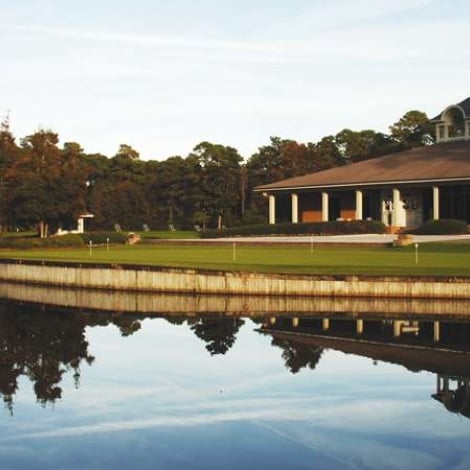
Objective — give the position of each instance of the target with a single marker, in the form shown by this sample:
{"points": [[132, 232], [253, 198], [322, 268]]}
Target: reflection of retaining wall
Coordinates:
{"points": [[178, 304], [155, 279]]}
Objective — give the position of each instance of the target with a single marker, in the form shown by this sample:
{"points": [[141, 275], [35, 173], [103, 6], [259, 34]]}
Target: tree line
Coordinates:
{"points": [[45, 185]]}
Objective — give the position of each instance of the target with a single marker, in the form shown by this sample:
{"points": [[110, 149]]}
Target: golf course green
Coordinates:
{"points": [[430, 259]]}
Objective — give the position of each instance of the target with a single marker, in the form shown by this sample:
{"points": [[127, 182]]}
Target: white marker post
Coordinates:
{"points": [[90, 243], [416, 253], [107, 244]]}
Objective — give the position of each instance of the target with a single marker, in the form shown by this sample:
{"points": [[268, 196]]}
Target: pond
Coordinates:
{"points": [[100, 390]]}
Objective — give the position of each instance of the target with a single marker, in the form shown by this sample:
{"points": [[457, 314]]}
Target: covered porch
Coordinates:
{"points": [[398, 207]]}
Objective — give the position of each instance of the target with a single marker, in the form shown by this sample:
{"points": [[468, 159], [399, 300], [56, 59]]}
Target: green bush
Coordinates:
{"points": [[64, 241], [310, 228], [101, 238], [443, 227]]}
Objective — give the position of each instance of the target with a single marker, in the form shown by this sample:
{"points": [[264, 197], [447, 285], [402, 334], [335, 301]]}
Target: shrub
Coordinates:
{"points": [[70, 240], [443, 227], [101, 238], [317, 228]]}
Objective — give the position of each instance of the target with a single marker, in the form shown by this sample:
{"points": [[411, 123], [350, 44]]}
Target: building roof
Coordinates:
{"points": [[442, 162], [464, 105]]}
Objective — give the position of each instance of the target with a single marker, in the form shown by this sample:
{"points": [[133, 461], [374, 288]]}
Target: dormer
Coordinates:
{"points": [[453, 123]]}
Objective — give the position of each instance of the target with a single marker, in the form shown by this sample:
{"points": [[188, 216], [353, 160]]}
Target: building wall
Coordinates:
{"points": [[348, 205], [310, 207]]}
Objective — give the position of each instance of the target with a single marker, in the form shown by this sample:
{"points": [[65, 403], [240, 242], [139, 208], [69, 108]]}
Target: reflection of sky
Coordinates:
{"points": [[157, 399]]}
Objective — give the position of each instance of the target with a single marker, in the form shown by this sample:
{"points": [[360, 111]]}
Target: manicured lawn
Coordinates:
{"points": [[436, 259]]}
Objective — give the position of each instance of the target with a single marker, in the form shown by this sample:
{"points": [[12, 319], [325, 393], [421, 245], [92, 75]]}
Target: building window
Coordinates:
{"points": [[441, 132], [455, 121]]}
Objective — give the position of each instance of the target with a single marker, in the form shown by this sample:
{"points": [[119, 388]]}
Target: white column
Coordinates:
{"points": [[437, 332], [295, 208], [324, 207], [396, 207], [397, 328], [81, 225], [272, 209], [359, 327], [435, 202], [358, 205]]}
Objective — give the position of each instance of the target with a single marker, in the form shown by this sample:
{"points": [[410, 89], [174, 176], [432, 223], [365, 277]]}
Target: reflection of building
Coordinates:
{"points": [[454, 394], [403, 189], [441, 347]]}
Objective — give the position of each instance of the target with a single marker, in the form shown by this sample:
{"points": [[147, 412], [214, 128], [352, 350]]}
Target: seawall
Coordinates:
{"points": [[191, 281]]}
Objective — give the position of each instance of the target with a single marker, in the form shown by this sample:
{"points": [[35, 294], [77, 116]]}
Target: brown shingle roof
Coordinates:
{"points": [[439, 162]]}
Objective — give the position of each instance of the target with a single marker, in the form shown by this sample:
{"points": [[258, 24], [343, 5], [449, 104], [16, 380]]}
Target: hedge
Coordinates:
{"points": [[443, 227], [64, 241], [101, 238], [310, 228]]}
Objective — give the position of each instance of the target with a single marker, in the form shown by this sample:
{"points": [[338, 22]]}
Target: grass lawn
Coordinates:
{"points": [[436, 259]]}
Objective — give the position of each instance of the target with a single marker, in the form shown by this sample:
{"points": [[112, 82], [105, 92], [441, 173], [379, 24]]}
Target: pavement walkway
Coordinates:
{"points": [[368, 239]]}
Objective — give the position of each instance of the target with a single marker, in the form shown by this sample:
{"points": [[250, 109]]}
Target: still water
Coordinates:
{"points": [[93, 390]]}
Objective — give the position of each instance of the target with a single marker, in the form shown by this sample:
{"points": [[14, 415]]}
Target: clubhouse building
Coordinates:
{"points": [[402, 189]]}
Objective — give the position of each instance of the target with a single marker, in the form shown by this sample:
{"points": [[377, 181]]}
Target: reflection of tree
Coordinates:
{"points": [[298, 355], [218, 333], [42, 346], [127, 325]]}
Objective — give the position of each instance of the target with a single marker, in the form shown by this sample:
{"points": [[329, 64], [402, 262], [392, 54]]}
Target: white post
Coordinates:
{"points": [[324, 207], [358, 205], [435, 202], [272, 209], [396, 207], [325, 324], [295, 208]]}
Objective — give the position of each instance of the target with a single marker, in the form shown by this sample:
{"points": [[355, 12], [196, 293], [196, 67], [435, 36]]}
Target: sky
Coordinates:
{"points": [[164, 75]]}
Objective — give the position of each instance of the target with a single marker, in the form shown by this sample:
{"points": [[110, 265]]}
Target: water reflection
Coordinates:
{"points": [[265, 390], [47, 344], [219, 334], [442, 347], [42, 347]]}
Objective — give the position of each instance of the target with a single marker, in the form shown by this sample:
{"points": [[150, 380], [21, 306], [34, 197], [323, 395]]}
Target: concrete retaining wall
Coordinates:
{"points": [[154, 279]]}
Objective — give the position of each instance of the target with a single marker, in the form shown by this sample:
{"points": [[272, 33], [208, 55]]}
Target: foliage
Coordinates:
{"points": [[317, 228], [443, 227], [101, 238], [413, 129], [45, 186], [64, 241]]}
